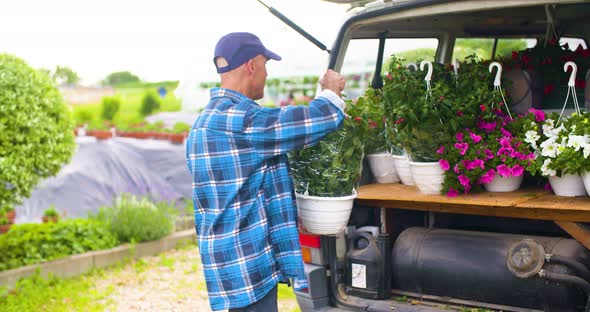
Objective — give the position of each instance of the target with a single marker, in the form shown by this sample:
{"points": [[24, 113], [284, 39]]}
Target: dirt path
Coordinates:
{"points": [[172, 281]]}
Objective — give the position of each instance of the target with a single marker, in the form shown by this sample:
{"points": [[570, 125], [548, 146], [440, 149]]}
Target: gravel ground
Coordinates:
{"points": [[172, 281]]}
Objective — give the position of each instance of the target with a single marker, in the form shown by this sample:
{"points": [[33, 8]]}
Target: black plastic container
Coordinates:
{"points": [[473, 266], [368, 266]]}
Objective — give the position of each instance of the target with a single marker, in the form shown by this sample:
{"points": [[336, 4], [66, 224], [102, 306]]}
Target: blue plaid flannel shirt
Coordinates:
{"points": [[245, 213]]}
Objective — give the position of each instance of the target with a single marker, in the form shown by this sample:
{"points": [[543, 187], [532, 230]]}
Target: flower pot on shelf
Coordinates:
{"points": [[569, 185], [49, 219], [4, 228], [177, 138], [428, 176], [383, 167], [586, 181], [402, 168], [100, 134], [11, 215], [324, 215], [504, 184]]}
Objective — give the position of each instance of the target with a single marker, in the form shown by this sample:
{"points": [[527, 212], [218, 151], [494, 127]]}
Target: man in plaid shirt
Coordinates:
{"points": [[245, 214]]}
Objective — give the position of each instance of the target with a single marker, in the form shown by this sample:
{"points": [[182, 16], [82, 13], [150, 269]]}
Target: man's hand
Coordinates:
{"points": [[333, 81]]}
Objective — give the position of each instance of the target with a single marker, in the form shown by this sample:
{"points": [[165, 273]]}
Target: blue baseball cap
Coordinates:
{"points": [[238, 48]]}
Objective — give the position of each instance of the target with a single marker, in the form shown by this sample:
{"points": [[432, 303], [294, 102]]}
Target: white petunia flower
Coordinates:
{"points": [[531, 137], [586, 150], [549, 147], [577, 141], [545, 168]]}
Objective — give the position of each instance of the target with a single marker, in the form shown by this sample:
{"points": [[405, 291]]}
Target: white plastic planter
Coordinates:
{"points": [[402, 168], [324, 215], [502, 184], [428, 176], [586, 180], [568, 185], [383, 168]]}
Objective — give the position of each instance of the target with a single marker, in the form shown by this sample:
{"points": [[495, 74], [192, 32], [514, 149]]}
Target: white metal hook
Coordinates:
{"points": [[498, 73], [572, 81], [429, 74], [412, 65]]}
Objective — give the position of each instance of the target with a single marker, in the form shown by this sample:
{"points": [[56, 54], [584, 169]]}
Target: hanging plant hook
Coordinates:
{"points": [[571, 87], [498, 85], [428, 77], [412, 65]]}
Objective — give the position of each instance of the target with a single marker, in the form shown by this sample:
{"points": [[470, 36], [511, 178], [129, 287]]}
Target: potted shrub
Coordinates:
{"points": [[10, 213], [101, 131], [4, 223], [50, 215], [326, 175], [179, 132], [377, 148]]}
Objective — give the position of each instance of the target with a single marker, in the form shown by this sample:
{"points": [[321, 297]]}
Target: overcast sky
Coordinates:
{"points": [[161, 40]]}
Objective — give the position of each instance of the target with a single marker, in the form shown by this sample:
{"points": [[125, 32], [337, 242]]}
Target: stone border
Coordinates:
{"points": [[81, 263]]}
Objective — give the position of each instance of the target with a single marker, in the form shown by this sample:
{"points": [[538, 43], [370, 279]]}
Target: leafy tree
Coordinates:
{"points": [[36, 132], [65, 75], [150, 103], [118, 78], [109, 107]]}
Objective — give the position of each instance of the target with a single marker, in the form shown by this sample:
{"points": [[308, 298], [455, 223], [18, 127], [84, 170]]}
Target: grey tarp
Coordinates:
{"points": [[100, 170]]}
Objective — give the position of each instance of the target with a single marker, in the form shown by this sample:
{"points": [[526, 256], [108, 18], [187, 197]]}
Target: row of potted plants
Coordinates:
{"points": [[7, 218], [156, 131]]}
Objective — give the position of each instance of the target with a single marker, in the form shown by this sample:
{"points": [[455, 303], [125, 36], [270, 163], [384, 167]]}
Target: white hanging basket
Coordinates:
{"points": [[586, 180], [402, 168], [383, 167], [568, 185], [503, 184], [428, 176], [324, 215]]}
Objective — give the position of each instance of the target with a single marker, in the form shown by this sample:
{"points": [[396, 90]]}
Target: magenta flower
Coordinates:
{"points": [[505, 141], [464, 180], [517, 170], [456, 169], [531, 156], [459, 137], [488, 177], [505, 132], [539, 115], [487, 126], [476, 163], [462, 147], [548, 187], [444, 165], [505, 151], [489, 153], [504, 171], [467, 188], [476, 138], [452, 192], [440, 150]]}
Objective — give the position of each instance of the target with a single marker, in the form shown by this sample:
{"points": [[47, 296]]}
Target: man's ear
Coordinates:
{"points": [[250, 66]]}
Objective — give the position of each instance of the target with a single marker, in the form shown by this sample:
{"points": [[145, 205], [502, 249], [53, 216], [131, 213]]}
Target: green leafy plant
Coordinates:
{"points": [[32, 243], [331, 168], [181, 127], [372, 110], [36, 130], [51, 212], [110, 106], [150, 103], [3, 219], [137, 219]]}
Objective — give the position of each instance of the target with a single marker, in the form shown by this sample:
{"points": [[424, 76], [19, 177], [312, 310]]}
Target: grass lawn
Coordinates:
{"points": [[128, 113]]}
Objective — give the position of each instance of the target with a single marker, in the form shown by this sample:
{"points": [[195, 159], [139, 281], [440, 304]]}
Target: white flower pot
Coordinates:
{"points": [[568, 185], [324, 215], [502, 184], [402, 167], [383, 168], [428, 176], [586, 180]]}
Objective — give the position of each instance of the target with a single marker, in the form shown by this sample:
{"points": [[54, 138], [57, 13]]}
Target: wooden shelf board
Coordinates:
{"points": [[526, 203]]}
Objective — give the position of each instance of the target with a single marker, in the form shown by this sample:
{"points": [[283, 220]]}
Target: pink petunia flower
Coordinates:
{"points": [[476, 163], [452, 192], [517, 170], [464, 180], [504, 171], [462, 147], [488, 177], [476, 138], [489, 153], [444, 165], [505, 132], [487, 126], [456, 169], [548, 187], [459, 137], [539, 115], [440, 150]]}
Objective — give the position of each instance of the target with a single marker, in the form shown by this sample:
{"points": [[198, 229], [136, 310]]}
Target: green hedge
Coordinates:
{"points": [[34, 243]]}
